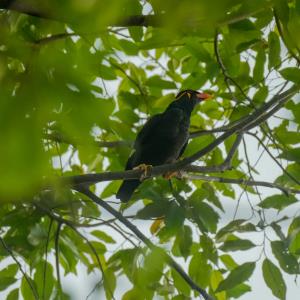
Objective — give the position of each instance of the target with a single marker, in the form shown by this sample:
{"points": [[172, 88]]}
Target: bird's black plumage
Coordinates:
{"points": [[163, 138]]}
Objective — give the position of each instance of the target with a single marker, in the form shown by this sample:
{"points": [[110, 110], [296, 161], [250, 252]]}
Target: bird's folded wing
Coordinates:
{"points": [[166, 123]]}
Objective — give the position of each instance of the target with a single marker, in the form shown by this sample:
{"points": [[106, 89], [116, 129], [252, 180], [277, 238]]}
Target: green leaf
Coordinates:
{"points": [[48, 280], [107, 73], [237, 276], [228, 261], [153, 210], [103, 236], [5, 282], [180, 284], [175, 217], [109, 283], [37, 235], [205, 214], [273, 279], [282, 9], [26, 290], [291, 154], [287, 261], [294, 246], [239, 290], [274, 50], [129, 48], [261, 95], [9, 271], [278, 201], [154, 264], [237, 245], [156, 81], [184, 240], [200, 270], [291, 74], [136, 33], [228, 229], [258, 71], [13, 295]]}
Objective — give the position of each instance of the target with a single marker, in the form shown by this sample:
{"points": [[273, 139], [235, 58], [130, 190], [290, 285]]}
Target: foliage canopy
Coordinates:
{"points": [[78, 80]]}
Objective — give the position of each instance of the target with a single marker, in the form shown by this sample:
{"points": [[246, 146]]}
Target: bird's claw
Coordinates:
{"points": [[171, 174], [146, 170]]}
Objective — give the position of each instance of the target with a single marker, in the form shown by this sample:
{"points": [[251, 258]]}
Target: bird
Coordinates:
{"points": [[162, 139]]}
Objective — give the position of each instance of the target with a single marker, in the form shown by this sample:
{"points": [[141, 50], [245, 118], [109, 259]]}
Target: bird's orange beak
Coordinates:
{"points": [[204, 96]]}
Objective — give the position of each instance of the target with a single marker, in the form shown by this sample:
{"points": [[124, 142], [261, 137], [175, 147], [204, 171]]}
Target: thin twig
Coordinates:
{"points": [[46, 259], [246, 182], [57, 257], [27, 278]]}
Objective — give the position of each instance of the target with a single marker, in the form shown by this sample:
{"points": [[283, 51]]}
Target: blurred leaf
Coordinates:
{"points": [[6, 282], [103, 236], [13, 295], [156, 81], [44, 279], [258, 71], [291, 74], [200, 270], [291, 154]]}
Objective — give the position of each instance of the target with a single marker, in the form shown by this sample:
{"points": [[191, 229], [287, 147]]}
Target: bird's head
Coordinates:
{"points": [[189, 98], [193, 95]]}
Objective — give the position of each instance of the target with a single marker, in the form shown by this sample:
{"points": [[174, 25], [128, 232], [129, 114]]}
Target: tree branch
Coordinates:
{"points": [[246, 182], [143, 238], [48, 10], [245, 124]]}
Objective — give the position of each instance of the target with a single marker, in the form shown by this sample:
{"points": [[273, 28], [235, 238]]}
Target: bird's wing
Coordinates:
{"points": [[166, 124], [150, 126]]}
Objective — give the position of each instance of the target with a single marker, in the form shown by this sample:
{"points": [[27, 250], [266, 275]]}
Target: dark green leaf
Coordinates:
{"points": [[258, 71], [175, 217], [291, 154], [274, 50], [239, 290], [287, 261], [5, 282], [237, 245], [237, 276], [278, 201], [273, 279]]}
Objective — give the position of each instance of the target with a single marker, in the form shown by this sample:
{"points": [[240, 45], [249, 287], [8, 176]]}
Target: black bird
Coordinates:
{"points": [[162, 139]]}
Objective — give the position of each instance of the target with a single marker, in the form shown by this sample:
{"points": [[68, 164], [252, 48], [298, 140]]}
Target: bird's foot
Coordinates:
{"points": [[171, 174], [146, 170]]}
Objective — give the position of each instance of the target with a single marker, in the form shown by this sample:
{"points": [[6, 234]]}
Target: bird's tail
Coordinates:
{"points": [[126, 189]]}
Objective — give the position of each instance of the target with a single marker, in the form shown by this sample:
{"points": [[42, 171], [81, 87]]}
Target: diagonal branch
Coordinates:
{"points": [[172, 263], [245, 124]]}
